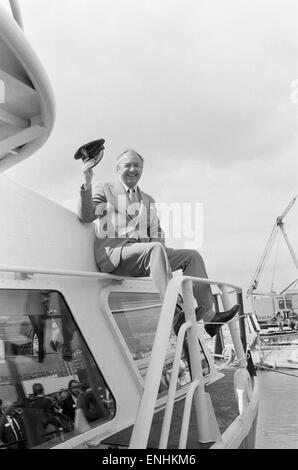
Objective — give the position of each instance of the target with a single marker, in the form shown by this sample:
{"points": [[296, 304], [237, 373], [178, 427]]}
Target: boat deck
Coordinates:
{"points": [[225, 406]]}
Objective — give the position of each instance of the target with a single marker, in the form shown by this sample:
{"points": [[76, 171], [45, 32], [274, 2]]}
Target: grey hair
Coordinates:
{"points": [[130, 151]]}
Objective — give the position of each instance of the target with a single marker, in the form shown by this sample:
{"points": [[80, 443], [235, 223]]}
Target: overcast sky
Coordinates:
{"points": [[203, 89]]}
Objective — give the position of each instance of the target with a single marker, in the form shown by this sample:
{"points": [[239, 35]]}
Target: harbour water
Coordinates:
{"points": [[278, 410]]}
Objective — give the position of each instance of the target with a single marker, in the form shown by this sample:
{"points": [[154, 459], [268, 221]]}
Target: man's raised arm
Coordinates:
{"points": [[88, 202]]}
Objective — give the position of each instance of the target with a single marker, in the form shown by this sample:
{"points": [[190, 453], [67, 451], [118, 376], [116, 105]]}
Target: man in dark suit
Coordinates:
{"points": [[40, 401], [45, 404], [69, 404], [130, 242]]}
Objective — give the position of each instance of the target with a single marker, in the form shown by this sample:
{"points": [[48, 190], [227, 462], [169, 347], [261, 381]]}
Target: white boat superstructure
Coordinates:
{"points": [[118, 324], [61, 320], [27, 108]]}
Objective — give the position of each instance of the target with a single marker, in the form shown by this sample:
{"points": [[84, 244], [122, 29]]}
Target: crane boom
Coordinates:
{"points": [[289, 206], [279, 224]]}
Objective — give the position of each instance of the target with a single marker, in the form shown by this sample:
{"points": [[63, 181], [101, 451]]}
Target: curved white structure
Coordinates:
{"points": [[27, 109]]}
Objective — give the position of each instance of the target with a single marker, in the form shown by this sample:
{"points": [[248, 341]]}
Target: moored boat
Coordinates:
{"points": [[273, 322], [274, 346]]}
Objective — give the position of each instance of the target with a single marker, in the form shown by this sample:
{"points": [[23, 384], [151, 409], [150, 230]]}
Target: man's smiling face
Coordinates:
{"points": [[130, 168]]}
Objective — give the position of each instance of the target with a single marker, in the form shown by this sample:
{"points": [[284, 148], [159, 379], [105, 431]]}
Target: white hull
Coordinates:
{"points": [[277, 357]]}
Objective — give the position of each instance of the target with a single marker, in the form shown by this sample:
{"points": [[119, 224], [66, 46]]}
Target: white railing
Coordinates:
{"points": [[32, 270], [172, 386], [208, 429]]}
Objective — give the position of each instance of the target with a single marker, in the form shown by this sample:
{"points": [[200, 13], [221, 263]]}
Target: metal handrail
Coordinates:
{"points": [[186, 414], [147, 404], [165, 430], [135, 309], [64, 272], [69, 272], [172, 387]]}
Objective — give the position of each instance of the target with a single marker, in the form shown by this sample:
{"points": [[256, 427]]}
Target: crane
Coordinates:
{"points": [[278, 225]]}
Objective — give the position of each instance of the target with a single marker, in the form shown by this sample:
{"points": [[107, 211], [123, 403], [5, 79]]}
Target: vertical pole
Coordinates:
{"points": [[241, 320], [147, 404], [206, 422], [250, 365], [219, 342], [234, 328], [215, 296]]}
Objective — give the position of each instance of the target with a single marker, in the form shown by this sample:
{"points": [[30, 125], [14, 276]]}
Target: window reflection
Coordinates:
{"points": [[50, 387], [137, 315]]}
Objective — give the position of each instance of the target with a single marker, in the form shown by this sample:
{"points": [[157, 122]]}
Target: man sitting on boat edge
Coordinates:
{"points": [[130, 242]]}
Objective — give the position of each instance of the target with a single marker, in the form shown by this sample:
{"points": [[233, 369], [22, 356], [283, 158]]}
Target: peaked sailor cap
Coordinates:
{"points": [[90, 151]]}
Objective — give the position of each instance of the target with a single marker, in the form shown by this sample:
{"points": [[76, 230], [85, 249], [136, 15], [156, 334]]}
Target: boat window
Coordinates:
{"points": [[137, 315], [51, 390]]}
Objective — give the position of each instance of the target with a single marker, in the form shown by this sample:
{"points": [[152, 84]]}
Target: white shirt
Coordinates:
{"points": [[133, 229]]}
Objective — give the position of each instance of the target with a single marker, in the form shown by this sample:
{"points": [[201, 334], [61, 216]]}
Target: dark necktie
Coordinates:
{"points": [[132, 194]]}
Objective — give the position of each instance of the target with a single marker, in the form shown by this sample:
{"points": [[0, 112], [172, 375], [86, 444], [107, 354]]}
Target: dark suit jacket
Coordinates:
{"points": [[12, 429], [69, 407], [44, 403], [49, 415], [109, 206]]}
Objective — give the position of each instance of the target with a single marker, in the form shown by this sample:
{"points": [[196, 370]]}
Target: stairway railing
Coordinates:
{"points": [[208, 429]]}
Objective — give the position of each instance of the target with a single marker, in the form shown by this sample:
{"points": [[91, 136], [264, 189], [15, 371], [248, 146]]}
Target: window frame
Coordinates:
{"points": [[93, 432], [144, 286]]}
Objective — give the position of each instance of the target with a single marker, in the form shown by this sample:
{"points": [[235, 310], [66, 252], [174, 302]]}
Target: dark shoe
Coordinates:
{"points": [[179, 317], [221, 317]]}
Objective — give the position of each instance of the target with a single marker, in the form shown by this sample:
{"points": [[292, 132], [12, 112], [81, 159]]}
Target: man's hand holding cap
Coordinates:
{"points": [[92, 152]]}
